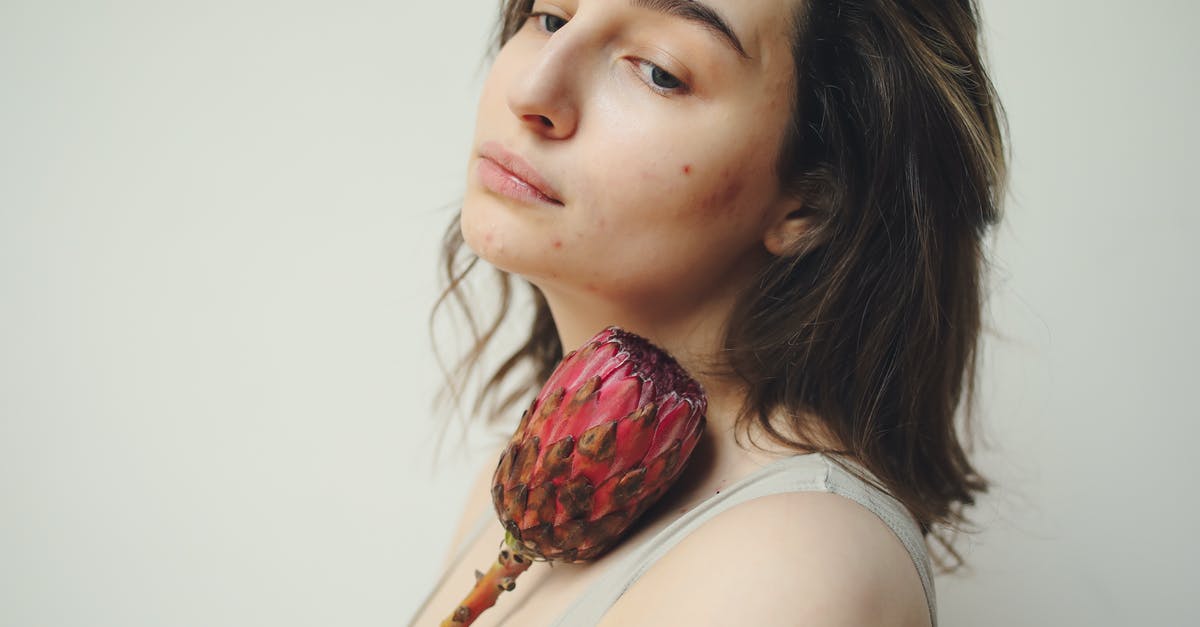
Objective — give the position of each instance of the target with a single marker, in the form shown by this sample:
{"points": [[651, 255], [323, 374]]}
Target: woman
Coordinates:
{"points": [[789, 196]]}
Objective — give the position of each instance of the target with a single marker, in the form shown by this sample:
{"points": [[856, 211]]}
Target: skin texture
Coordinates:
{"points": [[670, 202], [678, 216]]}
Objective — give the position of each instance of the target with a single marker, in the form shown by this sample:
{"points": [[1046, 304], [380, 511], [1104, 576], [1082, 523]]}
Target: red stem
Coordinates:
{"points": [[488, 586]]}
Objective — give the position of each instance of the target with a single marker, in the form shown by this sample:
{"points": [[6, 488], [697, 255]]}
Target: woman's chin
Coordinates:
{"points": [[480, 236], [491, 249]]}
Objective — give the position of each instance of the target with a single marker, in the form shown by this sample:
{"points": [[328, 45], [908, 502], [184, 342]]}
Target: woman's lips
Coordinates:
{"points": [[506, 173]]}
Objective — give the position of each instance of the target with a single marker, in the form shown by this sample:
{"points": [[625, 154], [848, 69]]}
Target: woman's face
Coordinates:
{"points": [[657, 138]]}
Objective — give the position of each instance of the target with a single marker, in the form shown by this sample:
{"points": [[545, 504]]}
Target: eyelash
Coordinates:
{"points": [[679, 89]]}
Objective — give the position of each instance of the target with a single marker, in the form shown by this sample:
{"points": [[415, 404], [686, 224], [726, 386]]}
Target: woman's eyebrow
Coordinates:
{"points": [[695, 11]]}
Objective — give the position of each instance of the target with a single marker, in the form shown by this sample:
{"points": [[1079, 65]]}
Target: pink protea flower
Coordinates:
{"points": [[607, 435]]}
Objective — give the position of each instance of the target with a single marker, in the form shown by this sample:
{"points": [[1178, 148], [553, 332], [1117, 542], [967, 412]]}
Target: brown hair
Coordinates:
{"points": [[870, 324]]}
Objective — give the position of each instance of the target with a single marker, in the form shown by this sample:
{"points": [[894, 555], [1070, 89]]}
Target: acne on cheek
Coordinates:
{"points": [[729, 186], [728, 189]]}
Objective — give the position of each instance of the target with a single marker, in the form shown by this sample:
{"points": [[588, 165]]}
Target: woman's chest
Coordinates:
{"points": [[542, 593]]}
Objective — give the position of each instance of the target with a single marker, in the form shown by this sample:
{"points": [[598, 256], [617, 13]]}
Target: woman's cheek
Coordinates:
{"points": [[701, 192]]}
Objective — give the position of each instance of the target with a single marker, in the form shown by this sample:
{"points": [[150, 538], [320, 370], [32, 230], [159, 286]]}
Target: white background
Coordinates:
{"points": [[219, 225]]}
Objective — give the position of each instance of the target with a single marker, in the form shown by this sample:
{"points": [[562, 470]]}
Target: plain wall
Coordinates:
{"points": [[219, 226]]}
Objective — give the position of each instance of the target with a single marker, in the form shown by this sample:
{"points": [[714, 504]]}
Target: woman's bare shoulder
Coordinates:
{"points": [[810, 558]]}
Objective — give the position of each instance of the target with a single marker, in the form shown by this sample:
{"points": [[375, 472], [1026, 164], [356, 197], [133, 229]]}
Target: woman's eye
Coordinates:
{"points": [[660, 80], [551, 24]]}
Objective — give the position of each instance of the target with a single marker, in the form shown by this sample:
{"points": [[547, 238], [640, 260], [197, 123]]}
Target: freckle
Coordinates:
{"points": [[687, 168]]}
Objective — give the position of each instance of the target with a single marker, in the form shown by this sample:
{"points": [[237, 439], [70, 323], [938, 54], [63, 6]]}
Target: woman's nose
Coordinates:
{"points": [[544, 95]]}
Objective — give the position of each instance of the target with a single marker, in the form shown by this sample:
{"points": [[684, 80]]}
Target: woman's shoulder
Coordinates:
{"points": [[841, 563]]}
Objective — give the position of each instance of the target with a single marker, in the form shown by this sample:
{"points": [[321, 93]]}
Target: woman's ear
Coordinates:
{"points": [[796, 232]]}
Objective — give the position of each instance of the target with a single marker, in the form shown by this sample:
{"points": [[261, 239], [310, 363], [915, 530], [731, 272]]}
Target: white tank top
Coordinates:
{"points": [[812, 472]]}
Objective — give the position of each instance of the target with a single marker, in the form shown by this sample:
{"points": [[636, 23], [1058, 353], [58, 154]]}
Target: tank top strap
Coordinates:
{"points": [[798, 473], [893, 513]]}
